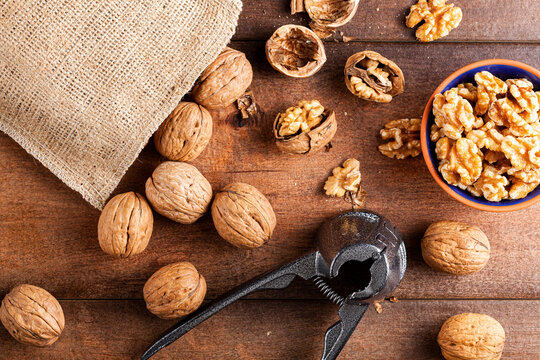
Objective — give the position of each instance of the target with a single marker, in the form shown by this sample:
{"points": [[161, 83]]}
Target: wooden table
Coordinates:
{"points": [[48, 233]]}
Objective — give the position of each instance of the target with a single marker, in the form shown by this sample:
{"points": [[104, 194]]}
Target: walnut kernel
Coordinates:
{"points": [[345, 182], [439, 19], [405, 138]]}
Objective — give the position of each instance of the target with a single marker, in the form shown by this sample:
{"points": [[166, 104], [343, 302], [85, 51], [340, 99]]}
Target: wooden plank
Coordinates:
{"points": [[376, 20], [48, 233], [283, 330]]}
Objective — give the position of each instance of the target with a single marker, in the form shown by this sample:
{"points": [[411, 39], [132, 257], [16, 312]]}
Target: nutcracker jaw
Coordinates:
{"points": [[363, 237]]}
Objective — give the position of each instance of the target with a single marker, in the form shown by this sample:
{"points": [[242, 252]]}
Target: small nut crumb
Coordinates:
{"points": [[405, 138], [393, 299], [345, 182], [378, 306]]}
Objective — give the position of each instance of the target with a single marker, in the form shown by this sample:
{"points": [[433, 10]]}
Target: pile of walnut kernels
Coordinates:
{"points": [[488, 141]]}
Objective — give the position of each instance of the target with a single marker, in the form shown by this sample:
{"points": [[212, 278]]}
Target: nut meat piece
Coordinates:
{"points": [[223, 81], [522, 91], [243, 216], [174, 291], [489, 87], [405, 138], [32, 315], [521, 189], [455, 247], [305, 128], [125, 225], [491, 184], [345, 182], [179, 192], [439, 19], [185, 133], [295, 51], [454, 114], [471, 337], [463, 164], [371, 76]]}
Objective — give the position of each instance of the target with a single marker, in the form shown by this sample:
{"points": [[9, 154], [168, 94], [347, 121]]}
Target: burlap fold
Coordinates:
{"points": [[84, 84]]}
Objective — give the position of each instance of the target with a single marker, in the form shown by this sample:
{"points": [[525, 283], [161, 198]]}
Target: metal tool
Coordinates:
{"points": [[361, 238]]}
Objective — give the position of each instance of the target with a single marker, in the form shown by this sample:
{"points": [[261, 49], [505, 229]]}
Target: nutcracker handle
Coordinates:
{"points": [[305, 267]]}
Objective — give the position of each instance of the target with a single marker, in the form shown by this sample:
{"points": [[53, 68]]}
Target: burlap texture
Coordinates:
{"points": [[84, 84]]}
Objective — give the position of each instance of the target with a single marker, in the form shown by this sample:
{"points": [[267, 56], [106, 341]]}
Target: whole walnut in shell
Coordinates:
{"points": [[243, 216], [32, 315], [174, 291], [125, 225], [455, 247], [223, 81], [471, 337], [371, 76], [185, 133], [178, 191], [295, 51], [305, 128]]}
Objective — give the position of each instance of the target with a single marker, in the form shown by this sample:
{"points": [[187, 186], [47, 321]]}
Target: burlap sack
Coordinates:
{"points": [[84, 84]]}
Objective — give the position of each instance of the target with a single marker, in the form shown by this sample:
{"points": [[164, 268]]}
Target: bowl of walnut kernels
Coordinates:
{"points": [[480, 135]]}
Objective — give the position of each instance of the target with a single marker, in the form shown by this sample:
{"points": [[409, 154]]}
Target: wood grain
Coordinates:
{"points": [[284, 330], [48, 234], [376, 20]]}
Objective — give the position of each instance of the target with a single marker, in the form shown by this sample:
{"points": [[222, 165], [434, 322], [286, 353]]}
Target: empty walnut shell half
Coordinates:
{"points": [[331, 13], [185, 133], [471, 336], [455, 247], [174, 291], [295, 51], [125, 225], [178, 191], [32, 315], [371, 76], [304, 142], [223, 81], [243, 216]]}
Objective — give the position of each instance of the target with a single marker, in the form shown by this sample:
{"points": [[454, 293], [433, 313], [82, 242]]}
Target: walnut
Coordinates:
{"points": [[523, 152], [455, 247], [32, 315], [489, 87], [295, 51], [522, 91], [305, 128], [507, 112], [468, 91], [125, 225], [439, 19], [345, 182], [487, 138], [493, 156], [371, 76], [463, 165], [491, 184], [185, 133], [435, 133], [405, 136], [243, 216], [520, 188], [174, 291], [530, 176], [471, 336], [179, 192], [223, 81], [454, 114], [327, 15]]}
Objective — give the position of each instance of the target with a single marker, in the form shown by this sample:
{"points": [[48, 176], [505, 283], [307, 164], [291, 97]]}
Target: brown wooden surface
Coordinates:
{"points": [[48, 233]]}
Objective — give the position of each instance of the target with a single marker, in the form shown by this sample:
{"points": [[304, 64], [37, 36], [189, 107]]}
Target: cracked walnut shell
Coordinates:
{"points": [[305, 128], [404, 136], [438, 19], [455, 247], [185, 133], [32, 315], [243, 216], [326, 15], [125, 225], [471, 336], [178, 191], [295, 51], [223, 81], [174, 291], [371, 76]]}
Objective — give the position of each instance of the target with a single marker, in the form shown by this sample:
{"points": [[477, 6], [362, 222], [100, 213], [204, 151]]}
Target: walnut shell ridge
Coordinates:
{"points": [[125, 225], [174, 291], [455, 247], [223, 81], [32, 315], [471, 336], [243, 216], [178, 191], [185, 133], [311, 141]]}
